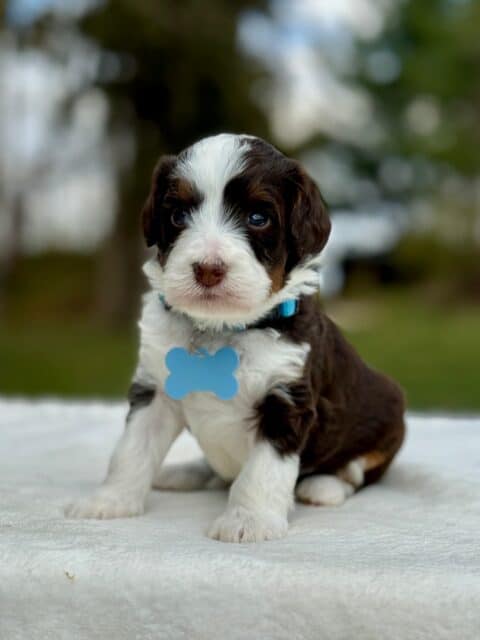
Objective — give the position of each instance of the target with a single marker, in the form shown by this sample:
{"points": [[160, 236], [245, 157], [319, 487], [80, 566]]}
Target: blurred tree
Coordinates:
{"points": [[430, 106], [173, 73], [421, 74]]}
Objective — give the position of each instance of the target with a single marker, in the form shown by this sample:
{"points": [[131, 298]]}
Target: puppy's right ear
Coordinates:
{"points": [[151, 211]]}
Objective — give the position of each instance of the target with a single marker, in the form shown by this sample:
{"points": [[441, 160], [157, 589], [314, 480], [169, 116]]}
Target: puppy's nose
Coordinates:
{"points": [[209, 274]]}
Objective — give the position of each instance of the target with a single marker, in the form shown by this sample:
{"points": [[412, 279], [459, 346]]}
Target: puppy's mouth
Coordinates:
{"points": [[215, 297], [217, 301], [210, 294]]}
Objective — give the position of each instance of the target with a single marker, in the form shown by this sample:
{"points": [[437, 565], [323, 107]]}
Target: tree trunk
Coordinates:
{"points": [[9, 258]]}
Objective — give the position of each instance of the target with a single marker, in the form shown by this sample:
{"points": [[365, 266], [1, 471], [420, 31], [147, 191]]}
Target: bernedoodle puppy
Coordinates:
{"points": [[234, 346]]}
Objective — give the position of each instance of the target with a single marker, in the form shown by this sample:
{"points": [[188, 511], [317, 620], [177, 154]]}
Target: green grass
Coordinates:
{"points": [[65, 360], [434, 352]]}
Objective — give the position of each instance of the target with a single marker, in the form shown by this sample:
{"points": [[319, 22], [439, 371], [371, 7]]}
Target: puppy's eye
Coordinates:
{"points": [[258, 220], [180, 219]]}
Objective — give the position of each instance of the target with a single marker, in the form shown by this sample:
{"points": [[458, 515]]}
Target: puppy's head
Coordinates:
{"points": [[238, 227]]}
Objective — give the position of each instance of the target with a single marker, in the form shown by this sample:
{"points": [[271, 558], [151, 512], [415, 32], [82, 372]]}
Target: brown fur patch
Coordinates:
{"points": [[372, 460], [340, 410], [274, 184], [184, 192], [167, 195], [277, 277]]}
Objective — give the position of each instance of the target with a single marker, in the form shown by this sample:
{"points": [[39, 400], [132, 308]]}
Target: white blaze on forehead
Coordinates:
{"points": [[212, 162], [209, 165]]}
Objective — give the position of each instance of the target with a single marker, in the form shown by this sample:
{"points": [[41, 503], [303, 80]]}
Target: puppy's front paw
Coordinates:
{"points": [[104, 505], [238, 524]]}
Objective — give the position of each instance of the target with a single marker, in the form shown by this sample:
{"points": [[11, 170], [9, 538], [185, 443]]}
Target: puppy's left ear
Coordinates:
{"points": [[309, 226], [151, 211]]}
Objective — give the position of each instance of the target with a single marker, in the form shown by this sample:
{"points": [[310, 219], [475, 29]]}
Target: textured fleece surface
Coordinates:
{"points": [[399, 560]]}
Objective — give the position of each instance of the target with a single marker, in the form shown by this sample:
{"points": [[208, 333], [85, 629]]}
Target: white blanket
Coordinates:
{"points": [[398, 560]]}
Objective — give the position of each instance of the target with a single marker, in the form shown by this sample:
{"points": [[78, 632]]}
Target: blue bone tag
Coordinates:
{"points": [[201, 371]]}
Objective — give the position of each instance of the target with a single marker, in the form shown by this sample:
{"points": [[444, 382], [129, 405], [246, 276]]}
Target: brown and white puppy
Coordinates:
{"points": [[239, 228]]}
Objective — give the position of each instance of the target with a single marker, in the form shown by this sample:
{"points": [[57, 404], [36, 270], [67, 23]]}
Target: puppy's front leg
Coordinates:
{"points": [[260, 498], [153, 423]]}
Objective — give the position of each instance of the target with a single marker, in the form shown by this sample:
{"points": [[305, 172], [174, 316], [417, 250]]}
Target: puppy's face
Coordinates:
{"points": [[235, 223]]}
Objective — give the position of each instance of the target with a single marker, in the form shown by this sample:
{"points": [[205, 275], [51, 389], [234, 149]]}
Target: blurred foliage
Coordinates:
{"points": [[437, 43], [179, 67], [421, 76], [449, 272], [51, 287]]}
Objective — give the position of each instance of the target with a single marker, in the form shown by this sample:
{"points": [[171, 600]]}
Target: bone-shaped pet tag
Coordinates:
{"points": [[201, 371]]}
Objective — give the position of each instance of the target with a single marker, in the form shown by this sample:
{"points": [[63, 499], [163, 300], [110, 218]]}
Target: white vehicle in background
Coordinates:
{"points": [[357, 235]]}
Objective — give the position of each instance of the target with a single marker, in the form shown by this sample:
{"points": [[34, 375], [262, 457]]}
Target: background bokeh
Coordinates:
{"points": [[379, 98]]}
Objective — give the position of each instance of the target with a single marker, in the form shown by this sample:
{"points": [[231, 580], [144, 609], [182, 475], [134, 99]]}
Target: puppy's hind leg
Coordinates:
{"points": [[323, 490], [190, 476], [333, 490]]}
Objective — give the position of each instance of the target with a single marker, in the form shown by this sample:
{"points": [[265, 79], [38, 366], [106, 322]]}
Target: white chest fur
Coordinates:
{"points": [[223, 428]]}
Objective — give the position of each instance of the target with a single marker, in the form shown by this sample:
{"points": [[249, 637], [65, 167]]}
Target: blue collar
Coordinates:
{"points": [[285, 309]]}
